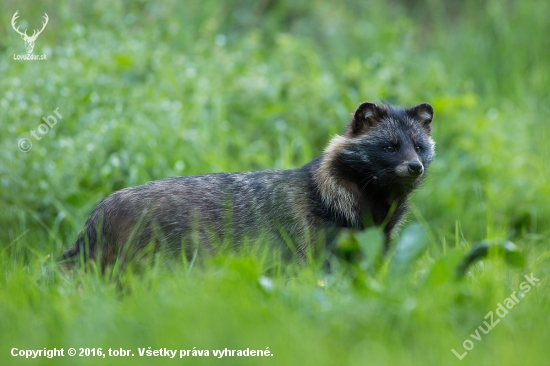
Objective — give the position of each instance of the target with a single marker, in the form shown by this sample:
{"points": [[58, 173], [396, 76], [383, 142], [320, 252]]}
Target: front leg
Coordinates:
{"points": [[386, 217]]}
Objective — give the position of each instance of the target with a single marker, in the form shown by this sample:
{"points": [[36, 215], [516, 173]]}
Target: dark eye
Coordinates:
{"points": [[417, 148], [389, 149]]}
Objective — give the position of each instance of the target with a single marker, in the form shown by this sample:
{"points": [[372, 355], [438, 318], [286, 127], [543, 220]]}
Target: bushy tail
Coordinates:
{"points": [[83, 249]]}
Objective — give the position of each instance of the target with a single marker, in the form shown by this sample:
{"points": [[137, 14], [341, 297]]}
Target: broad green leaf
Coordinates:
{"points": [[412, 243]]}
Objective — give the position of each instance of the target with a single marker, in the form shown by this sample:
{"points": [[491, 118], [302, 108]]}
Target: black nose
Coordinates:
{"points": [[415, 168]]}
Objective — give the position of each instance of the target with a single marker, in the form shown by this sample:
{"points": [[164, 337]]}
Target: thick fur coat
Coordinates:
{"points": [[363, 178]]}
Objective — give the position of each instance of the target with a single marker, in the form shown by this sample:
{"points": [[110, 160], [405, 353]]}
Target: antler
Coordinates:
{"points": [[34, 34], [13, 19], [24, 34]]}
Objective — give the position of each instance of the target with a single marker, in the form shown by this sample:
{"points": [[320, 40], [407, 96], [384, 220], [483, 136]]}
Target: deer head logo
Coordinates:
{"points": [[29, 41]]}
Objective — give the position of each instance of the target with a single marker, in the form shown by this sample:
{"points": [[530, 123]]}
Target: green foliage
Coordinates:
{"points": [[507, 250], [148, 90]]}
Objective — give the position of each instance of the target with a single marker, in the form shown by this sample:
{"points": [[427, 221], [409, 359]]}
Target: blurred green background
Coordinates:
{"points": [[148, 90]]}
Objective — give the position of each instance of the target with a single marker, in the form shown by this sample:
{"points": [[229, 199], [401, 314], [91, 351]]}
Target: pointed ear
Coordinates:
{"points": [[367, 115], [423, 113]]}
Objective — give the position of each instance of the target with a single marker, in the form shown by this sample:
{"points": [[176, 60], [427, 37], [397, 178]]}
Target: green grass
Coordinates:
{"points": [[149, 90]]}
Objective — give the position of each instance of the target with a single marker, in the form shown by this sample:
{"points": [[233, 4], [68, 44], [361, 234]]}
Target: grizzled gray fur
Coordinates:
{"points": [[363, 178]]}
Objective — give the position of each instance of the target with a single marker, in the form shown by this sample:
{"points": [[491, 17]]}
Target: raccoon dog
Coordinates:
{"points": [[363, 178]]}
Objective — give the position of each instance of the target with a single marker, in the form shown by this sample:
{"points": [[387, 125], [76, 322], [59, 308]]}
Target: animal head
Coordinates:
{"points": [[29, 40], [388, 146]]}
